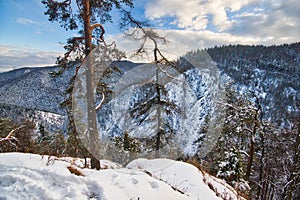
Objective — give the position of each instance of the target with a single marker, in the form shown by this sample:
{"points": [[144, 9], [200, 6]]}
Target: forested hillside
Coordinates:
{"points": [[257, 151], [272, 72]]}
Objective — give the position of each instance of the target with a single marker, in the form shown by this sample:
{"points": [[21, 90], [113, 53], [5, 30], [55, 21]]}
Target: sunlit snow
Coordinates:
{"points": [[31, 176]]}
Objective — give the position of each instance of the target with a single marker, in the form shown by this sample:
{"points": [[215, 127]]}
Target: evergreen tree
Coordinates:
{"points": [[156, 92], [43, 140], [129, 148], [155, 95], [85, 16], [231, 168], [49, 143]]}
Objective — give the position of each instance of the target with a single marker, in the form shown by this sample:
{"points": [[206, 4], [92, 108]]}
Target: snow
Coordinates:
{"points": [[185, 178], [31, 176]]}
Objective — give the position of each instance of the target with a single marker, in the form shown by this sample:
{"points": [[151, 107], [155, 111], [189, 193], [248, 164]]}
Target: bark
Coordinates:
{"points": [[252, 144], [290, 187], [159, 133], [92, 123], [251, 156]]}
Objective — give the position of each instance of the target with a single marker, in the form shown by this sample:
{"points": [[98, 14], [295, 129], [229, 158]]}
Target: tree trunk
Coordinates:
{"points": [[251, 156], [292, 179], [159, 120], [253, 134], [92, 123], [261, 166]]}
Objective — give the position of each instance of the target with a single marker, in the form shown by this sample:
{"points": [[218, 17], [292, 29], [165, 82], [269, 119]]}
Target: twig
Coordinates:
{"points": [[9, 136], [101, 102]]}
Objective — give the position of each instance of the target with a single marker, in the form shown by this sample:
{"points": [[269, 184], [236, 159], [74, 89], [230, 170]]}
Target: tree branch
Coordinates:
{"points": [[101, 102], [71, 48], [10, 135], [97, 25]]}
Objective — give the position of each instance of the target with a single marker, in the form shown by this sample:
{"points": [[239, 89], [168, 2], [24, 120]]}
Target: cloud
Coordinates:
{"points": [[273, 21], [180, 42], [183, 41], [26, 21], [187, 13], [272, 24], [12, 57], [194, 14]]}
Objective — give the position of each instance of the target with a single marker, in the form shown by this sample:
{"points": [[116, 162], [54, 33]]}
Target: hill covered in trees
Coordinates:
{"points": [[258, 143]]}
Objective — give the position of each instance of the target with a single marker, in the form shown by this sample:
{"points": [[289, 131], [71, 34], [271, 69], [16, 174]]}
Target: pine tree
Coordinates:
{"points": [[231, 168], [155, 95], [85, 16], [48, 143], [43, 140], [128, 148]]}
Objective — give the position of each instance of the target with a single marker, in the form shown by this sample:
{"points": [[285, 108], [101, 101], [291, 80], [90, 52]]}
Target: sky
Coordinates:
{"points": [[27, 38]]}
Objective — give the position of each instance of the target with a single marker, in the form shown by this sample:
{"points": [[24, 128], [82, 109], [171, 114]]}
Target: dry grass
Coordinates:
{"points": [[75, 170]]}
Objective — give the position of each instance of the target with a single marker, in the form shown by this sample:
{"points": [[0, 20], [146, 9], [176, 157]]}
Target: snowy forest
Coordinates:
{"points": [[214, 123], [257, 151]]}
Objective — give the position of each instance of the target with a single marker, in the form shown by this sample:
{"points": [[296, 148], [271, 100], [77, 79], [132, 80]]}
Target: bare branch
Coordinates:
{"points": [[101, 102], [14, 130], [98, 25], [10, 136], [9, 140], [168, 75]]}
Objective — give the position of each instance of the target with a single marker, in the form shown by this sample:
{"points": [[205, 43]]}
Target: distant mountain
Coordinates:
{"points": [[34, 94], [33, 88], [272, 72]]}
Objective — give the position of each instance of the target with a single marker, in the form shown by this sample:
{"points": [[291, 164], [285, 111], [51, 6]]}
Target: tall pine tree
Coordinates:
{"points": [[87, 16]]}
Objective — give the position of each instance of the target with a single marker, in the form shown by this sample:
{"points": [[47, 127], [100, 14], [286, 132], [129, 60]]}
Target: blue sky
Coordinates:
{"points": [[27, 38]]}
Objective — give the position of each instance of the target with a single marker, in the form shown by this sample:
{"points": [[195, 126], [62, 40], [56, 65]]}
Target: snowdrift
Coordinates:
{"points": [[31, 176]]}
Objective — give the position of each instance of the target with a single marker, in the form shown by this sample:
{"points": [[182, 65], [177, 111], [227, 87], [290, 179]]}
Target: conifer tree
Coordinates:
{"points": [[87, 16], [48, 143], [231, 168]]}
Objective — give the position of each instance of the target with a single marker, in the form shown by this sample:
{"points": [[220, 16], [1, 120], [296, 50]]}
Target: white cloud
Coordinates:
{"points": [[26, 21], [15, 57], [192, 14], [187, 13], [278, 24], [181, 42], [273, 21]]}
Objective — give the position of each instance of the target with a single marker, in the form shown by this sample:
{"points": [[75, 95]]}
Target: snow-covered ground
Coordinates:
{"points": [[31, 176]]}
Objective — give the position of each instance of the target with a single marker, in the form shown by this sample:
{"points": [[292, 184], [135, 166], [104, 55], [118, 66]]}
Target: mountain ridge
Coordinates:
{"points": [[272, 71]]}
